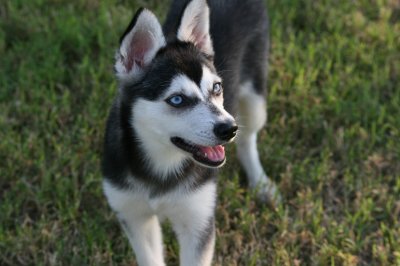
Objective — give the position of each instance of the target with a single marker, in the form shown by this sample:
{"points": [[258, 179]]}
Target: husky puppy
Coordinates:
{"points": [[179, 88]]}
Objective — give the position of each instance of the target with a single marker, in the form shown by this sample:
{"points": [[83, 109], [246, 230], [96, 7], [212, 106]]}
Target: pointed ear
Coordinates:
{"points": [[138, 45], [195, 26]]}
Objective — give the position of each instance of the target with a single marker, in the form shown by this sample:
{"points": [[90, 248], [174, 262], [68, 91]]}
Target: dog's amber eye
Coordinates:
{"points": [[217, 89]]}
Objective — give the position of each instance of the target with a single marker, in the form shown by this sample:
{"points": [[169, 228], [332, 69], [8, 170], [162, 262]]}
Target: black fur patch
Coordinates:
{"points": [[185, 58]]}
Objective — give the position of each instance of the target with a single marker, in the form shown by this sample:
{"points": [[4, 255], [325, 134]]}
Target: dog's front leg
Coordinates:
{"points": [[139, 223], [144, 234], [196, 242], [193, 222]]}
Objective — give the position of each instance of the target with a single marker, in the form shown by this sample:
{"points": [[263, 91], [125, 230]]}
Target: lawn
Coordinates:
{"points": [[332, 142]]}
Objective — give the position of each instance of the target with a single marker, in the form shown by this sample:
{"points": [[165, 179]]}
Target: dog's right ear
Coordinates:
{"points": [[138, 45], [195, 26]]}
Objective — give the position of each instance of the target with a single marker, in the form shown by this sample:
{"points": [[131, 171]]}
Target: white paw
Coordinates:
{"points": [[267, 192]]}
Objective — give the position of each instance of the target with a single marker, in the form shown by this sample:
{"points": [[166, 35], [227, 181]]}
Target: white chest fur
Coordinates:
{"points": [[191, 214]]}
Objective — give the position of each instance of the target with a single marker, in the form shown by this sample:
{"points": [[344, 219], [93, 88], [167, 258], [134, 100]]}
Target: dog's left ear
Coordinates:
{"points": [[195, 26]]}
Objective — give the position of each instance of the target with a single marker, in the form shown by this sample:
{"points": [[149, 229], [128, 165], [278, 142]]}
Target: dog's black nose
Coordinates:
{"points": [[225, 131]]}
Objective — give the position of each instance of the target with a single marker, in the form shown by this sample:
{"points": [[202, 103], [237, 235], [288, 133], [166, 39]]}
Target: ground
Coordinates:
{"points": [[332, 142]]}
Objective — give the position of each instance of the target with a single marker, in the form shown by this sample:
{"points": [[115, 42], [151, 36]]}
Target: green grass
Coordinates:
{"points": [[332, 142]]}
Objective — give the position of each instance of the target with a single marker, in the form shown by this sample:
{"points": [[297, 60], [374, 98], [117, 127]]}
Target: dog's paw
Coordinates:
{"points": [[268, 193]]}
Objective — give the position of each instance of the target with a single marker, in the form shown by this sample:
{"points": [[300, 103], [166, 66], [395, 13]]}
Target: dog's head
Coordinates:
{"points": [[173, 91]]}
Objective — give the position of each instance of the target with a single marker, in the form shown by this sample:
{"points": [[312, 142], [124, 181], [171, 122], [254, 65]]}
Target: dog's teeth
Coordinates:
{"points": [[205, 155]]}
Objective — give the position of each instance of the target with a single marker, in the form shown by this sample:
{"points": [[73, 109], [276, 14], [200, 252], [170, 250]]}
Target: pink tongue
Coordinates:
{"points": [[215, 154]]}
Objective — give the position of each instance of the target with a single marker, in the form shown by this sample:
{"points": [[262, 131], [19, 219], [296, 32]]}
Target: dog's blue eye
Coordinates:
{"points": [[176, 100], [217, 89]]}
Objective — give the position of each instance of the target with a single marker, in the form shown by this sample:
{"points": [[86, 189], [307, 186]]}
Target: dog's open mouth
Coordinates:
{"points": [[211, 156]]}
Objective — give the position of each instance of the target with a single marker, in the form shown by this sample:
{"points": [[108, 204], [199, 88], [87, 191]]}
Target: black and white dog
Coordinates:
{"points": [[179, 89]]}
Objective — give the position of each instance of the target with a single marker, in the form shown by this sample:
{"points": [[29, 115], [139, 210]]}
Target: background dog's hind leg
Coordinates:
{"points": [[251, 118], [252, 114]]}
